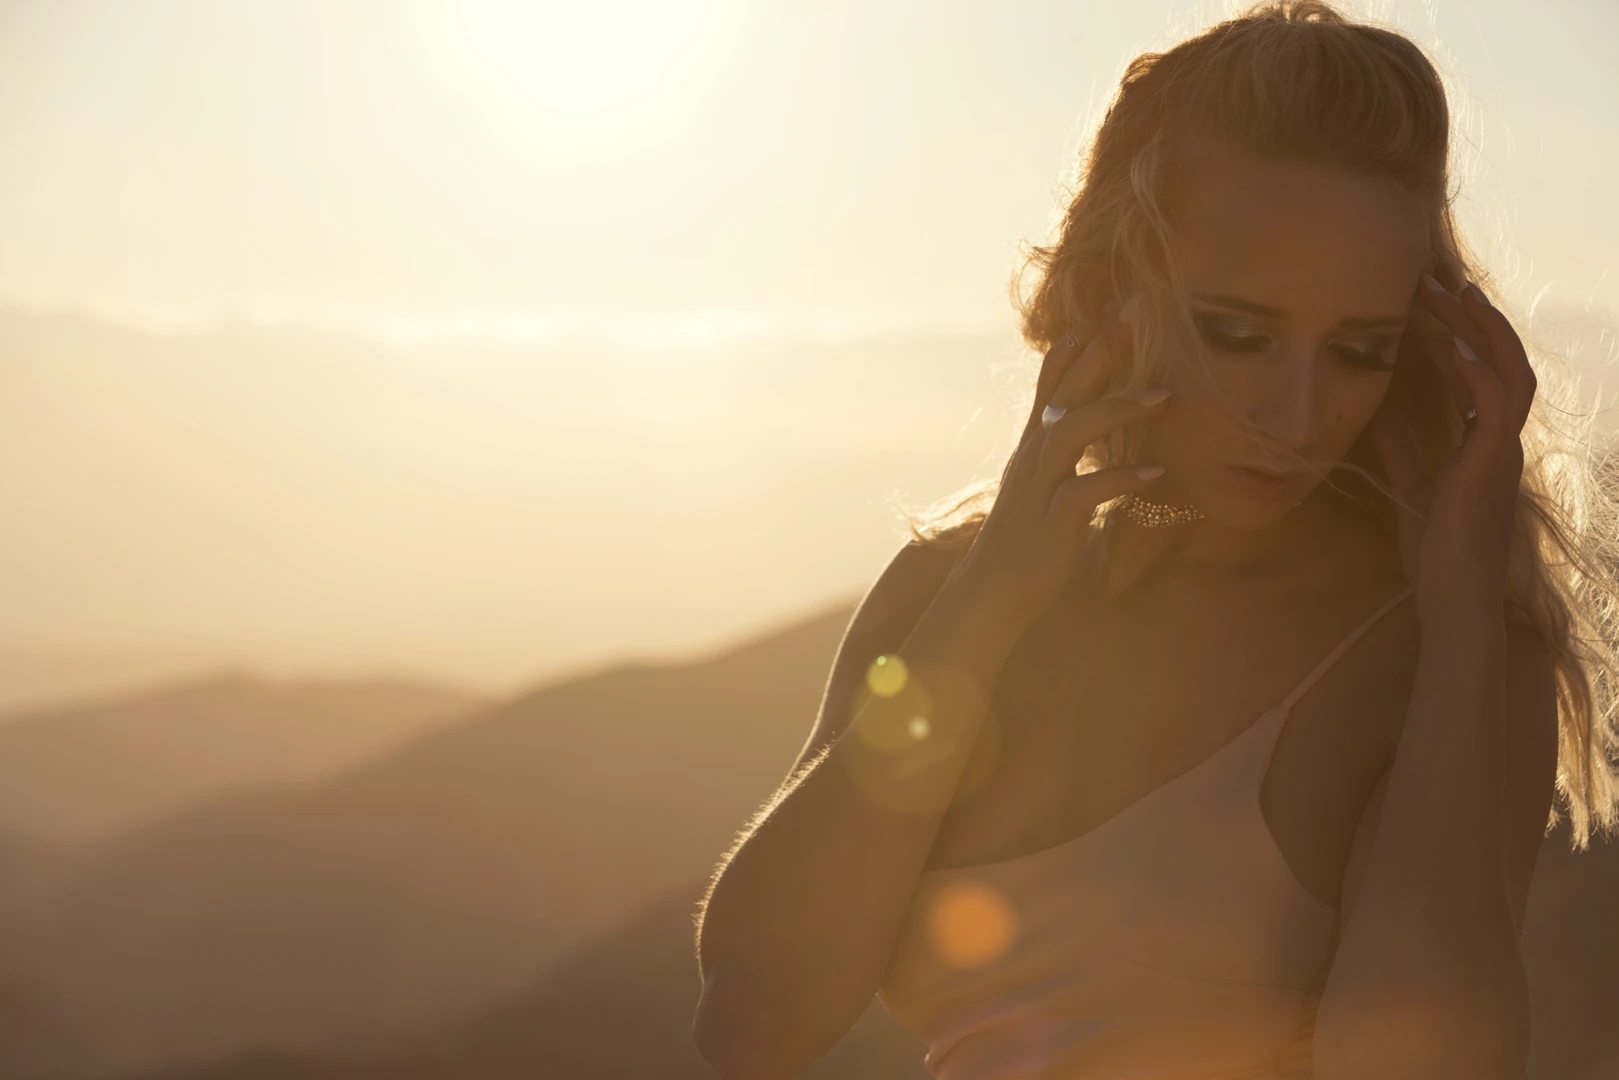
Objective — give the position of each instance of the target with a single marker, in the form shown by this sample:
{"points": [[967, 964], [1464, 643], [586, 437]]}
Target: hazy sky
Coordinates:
{"points": [[749, 259], [531, 165]]}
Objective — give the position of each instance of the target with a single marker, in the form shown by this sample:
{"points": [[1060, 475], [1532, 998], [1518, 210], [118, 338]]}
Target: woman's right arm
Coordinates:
{"points": [[799, 926]]}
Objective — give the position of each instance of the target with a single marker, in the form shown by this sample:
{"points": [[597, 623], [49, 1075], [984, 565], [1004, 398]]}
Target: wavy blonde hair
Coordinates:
{"points": [[1296, 79]]}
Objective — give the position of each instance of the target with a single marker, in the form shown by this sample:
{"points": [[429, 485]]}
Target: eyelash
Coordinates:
{"points": [[1369, 359]]}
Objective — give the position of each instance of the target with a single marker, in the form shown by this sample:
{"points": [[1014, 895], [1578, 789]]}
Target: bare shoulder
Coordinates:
{"points": [[881, 622]]}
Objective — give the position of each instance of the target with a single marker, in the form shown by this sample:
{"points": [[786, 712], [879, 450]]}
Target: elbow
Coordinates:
{"points": [[730, 1044], [772, 1019], [724, 1029], [713, 1044], [1421, 1036], [746, 1031], [1451, 1001]]}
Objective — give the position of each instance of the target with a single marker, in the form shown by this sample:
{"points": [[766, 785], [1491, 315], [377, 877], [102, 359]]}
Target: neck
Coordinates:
{"points": [[1208, 548]]}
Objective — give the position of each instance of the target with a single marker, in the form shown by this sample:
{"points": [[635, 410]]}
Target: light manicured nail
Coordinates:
{"points": [[1430, 283], [1466, 350], [1149, 472], [1478, 294], [1154, 397]]}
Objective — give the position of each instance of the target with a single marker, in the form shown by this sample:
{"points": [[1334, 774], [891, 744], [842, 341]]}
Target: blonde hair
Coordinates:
{"points": [[1295, 79]]}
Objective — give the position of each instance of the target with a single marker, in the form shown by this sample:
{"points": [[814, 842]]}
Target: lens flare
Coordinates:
{"points": [[970, 924], [887, 676]]}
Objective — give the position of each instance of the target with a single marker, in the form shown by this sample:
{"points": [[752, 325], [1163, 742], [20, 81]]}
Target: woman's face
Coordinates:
{"points": [[1301, 279]]}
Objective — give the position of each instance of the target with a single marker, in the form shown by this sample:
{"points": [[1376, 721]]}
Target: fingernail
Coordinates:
{"points": [[1154, 397], [1149, 472], [1131, 306], [1477, 294], [1466, 350], [1430, 283]]}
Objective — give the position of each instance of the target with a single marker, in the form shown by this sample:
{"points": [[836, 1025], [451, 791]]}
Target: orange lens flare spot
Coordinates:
{"points": [[919, 727], [887, 676], [970, 924]]}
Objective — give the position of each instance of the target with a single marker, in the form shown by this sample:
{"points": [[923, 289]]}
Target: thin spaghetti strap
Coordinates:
{"points": [[1342, 647]]}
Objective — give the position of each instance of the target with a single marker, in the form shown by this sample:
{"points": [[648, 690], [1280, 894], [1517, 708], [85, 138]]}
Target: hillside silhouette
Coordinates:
{"points": [[512, 896], [621, 1008], [369, 912], [618, 1009], [90, 770]]}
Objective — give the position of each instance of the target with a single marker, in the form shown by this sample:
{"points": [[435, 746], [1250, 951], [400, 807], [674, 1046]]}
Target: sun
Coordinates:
{"points": [[584, 57]]}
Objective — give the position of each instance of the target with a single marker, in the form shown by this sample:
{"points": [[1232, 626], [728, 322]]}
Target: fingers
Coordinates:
{"points": [[1486, 335], [1079, 496], [1053, 366], [1067, 439], [1451, 322], [1071, 373], [1449, 311], [1056, 363], [1488, 395], [1506, 355], [1055, 385], [1087, 376]]}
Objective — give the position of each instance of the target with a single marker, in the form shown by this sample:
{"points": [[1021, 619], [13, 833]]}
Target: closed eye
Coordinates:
{"points": [[1223, 335], [1229, 338], [1368, 355]]}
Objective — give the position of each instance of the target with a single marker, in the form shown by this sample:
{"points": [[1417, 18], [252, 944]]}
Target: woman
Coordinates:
{"points": [[1229, 756]]}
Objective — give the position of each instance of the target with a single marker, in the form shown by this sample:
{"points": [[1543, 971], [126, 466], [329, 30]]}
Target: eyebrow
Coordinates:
{"points": [[1354, 321]]}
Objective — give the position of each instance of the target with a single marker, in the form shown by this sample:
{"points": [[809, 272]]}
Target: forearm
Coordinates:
{"points": [[801, 920], [1428, 980]]}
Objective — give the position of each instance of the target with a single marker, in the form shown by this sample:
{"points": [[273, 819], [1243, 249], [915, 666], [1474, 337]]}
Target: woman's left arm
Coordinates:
{"points": [[1428, 981]]}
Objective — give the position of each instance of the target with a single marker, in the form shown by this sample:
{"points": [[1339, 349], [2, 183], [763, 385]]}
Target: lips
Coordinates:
{"points": [[1264, 483]]}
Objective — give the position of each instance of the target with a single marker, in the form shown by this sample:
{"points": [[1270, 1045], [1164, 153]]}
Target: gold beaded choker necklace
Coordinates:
{"points": [[1157, 515]]}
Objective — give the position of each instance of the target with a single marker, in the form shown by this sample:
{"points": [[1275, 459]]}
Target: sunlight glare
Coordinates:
{"points": [[583, 57]]}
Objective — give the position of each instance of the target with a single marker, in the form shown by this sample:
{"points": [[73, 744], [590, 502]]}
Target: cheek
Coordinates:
{"points": [[1244, 378], [1188, 433], [1191, 432], [1350, 409]]}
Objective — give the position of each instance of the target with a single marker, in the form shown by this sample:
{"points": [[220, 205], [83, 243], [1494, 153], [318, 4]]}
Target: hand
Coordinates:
{"points": [[1457, 557], [1027, 548]]}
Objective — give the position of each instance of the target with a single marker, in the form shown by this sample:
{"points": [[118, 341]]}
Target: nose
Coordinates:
{"points": [[1289, 410]]}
